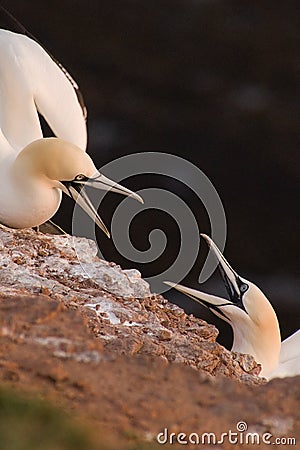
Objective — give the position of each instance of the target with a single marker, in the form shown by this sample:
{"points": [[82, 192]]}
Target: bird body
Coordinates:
{"points": [[253, 320], [289, 358], [25, 201], [31, 83], [34, 171]]}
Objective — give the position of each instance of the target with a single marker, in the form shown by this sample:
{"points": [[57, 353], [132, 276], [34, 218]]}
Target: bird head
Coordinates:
{"points": [[63, 165], [247, 310]]}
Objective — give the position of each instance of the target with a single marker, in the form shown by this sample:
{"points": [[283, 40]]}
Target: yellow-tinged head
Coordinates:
{"points": [[60, 164], [250, 314], [55, 159]]}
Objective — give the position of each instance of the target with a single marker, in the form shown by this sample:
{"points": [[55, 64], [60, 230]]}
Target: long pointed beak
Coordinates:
{"points": [[231, 279], [198, 296], [99, 181], [211, 302], [77, 193], [75, 190], [234, 284]]}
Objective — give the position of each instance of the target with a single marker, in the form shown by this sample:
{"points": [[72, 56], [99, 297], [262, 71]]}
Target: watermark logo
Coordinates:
{"points": [[241, 426], [164, 165], [240, 436]]}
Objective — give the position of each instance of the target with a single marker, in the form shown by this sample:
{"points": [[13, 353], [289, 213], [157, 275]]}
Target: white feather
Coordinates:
{"points": [[31, 83], [289, 358]]}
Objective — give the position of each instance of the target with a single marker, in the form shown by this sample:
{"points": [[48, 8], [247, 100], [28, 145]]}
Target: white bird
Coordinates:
{"points": [[34, 171], [253, 320], [289, 358]]}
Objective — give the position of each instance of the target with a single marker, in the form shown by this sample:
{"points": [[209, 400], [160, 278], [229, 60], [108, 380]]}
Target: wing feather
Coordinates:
{"points": [[32, 82], [289, 358]]}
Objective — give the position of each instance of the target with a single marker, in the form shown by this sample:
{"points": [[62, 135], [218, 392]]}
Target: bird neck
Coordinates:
{"points": [[5, 148], [27, 163], [262, 341]]}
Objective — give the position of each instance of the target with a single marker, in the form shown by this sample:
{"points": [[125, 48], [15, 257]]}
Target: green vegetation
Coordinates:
{"points": [[32, 424]]}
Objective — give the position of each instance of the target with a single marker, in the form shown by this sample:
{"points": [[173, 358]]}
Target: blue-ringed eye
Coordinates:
{"points": [[80, 177], [243, 288]]}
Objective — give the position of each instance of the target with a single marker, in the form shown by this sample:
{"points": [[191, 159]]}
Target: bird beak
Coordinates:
{"points": [[210, 301], [99, 181], [77, 193], [75, 190], [231, 280]]}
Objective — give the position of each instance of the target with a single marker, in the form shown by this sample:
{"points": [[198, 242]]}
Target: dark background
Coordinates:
{"points": [[211, 81]]}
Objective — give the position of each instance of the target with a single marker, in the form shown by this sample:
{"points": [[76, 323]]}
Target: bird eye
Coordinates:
{"points": [[243, 288], [80, 177]]}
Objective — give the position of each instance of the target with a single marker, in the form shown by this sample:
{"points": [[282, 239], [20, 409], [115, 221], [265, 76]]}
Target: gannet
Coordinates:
{"points": [[253, 320], [34, 171]]}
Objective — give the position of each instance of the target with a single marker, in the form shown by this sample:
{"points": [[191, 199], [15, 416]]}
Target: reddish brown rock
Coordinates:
{"points": [[124, 364], [125, 324]]}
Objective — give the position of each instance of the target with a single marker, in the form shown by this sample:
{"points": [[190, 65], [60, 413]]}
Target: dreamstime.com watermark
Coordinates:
{"points": [[241, 436], [160, 199]]}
